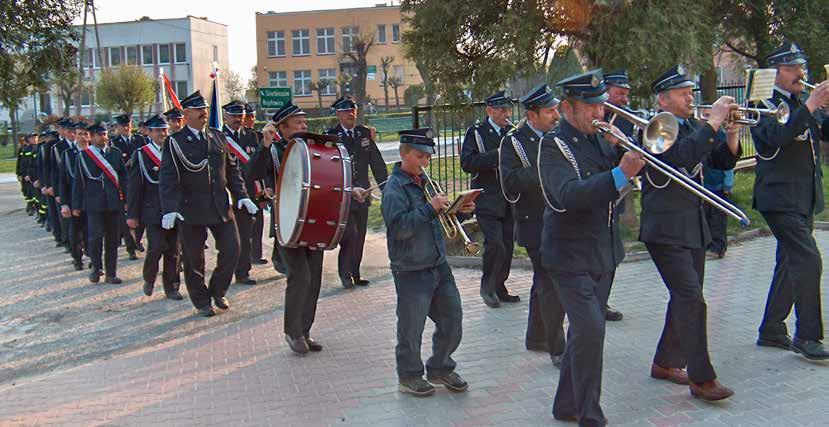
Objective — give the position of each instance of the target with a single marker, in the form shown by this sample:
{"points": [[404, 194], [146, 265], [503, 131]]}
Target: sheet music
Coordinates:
{"points": [[760, 84]]}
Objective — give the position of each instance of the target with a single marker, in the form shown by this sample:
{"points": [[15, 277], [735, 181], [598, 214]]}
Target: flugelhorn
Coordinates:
{"points": [[452, 227], [748, 116]]}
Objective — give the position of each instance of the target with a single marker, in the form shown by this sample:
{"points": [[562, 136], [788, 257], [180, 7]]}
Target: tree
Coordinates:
{"points": [[357, 55], [385, 63], [253, 81], [67, 83], [413, 94], [395, 83], [319, 86], [35, 40], [344, 83], [234, 87], [125, 89]]}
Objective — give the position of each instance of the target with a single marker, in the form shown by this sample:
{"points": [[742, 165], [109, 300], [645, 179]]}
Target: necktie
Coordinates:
{"points": [[350, 134], [201, 136], [236, 135]]}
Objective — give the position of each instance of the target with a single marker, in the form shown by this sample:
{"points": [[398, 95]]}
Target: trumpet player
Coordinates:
{"points": [[676, 234], [479, 156], [422, 278], [788, 192], [519, 149]]}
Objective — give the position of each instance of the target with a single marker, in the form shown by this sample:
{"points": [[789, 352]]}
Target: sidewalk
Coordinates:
{"points": [[242, 373]]}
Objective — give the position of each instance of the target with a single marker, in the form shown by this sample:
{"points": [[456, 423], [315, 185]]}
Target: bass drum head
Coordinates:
{"points": [[291, 196]]}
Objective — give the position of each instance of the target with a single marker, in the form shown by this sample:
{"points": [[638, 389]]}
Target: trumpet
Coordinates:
{"points": [[747, 116], [659, 134], [452, 227], [813, 87]]}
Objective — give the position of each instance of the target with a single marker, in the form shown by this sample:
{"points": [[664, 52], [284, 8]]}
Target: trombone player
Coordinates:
{"points": [[676, 234], [788, 192]]}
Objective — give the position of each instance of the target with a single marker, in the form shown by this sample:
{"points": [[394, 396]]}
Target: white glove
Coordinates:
{"points": [[248, 205], [168, 221]]}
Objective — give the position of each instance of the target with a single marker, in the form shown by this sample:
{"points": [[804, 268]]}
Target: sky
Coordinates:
{"points": [[238, 15]]}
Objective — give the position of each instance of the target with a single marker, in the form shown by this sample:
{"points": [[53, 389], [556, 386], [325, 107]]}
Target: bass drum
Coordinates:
{"points": [[313, 192]]}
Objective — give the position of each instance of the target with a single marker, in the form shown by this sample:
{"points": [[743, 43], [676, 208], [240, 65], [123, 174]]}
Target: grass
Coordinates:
{"points": [[8, 161], [741, 197]]}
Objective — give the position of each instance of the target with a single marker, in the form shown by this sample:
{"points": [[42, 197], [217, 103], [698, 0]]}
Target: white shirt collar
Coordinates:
{"points": [[494, 126], [196, 131], [347, 130], [154, 144], [786, 93], [537, 132]]}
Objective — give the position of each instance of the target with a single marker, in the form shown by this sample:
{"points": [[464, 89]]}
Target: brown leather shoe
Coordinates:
{"points": [[710, 390], [674, 375]]}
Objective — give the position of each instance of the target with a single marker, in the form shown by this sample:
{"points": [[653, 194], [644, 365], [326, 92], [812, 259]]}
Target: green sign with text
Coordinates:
{"points": [[274, 97]]}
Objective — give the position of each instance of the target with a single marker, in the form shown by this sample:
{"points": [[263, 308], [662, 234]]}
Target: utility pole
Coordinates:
{"points": [[89, 6]]}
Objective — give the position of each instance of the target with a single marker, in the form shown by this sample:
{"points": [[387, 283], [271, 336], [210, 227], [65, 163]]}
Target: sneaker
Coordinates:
{"points": [[416, 386], [451, 381]]}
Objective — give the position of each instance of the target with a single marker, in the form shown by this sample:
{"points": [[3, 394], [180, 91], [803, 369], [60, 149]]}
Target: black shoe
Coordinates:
{"points": [[174, 295], [556, 358], [779, 341], [491, 300], [206, 311], [133, 256], [114, 280], [451, 381], [361, 282], [58, 244], [812, 350], [95, 276], [613, 315], [78, 266], [245, 281], [346, 282], [313, 345], [148, 288], [222, 303], [509, 298], [139, 247], [260, 261], [416, 386], [298, 345]]}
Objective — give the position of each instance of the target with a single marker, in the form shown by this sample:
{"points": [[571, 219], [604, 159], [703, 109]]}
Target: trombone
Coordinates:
{"points": [[659, 134], [747, 116], [449, 222]]}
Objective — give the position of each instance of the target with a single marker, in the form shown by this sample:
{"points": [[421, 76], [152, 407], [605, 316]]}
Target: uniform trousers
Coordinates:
{"points": [[244, 225], [303, 289], [192, 238], [545, 323], [684, 340], [497, 256], [103, 237], [353, 242], [164, 244], [796, 280]]}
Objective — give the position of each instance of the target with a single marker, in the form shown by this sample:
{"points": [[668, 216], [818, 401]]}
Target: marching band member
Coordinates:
{"points": [[195, 175], [676, 234], [422, 278], [581, 175], [788, 192], [98, 191], [144, 207], [479, 157], [518, 169]]}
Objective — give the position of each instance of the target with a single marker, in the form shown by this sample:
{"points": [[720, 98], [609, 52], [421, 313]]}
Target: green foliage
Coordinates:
{"points": [[125, 89]]}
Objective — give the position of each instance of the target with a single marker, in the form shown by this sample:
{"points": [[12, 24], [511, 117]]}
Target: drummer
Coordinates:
{"points": [[304, 265]]}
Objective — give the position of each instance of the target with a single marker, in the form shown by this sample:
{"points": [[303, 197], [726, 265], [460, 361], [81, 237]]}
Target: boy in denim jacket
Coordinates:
{"points": [[422, 278]]}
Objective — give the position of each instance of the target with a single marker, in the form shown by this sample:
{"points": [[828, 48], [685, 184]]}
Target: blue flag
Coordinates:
{"points": [[215, 120]]}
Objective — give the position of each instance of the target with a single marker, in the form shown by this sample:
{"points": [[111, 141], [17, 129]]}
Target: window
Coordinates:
{"points": [[163, 54], [302, 83], [397, 73], [276, 43], [92, 58], [215, 53], [277, 79], [349, 37], [147, 55], [301, 42], [132, 55], [181, 53], [114, 57], [181, 89], [395, 33], [381, 33], [86, 98], [325, 41], [330, 75]]}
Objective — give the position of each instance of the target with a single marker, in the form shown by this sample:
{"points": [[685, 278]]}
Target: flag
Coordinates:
{"points": [[173, 99], [215, 120], [162, 89]]}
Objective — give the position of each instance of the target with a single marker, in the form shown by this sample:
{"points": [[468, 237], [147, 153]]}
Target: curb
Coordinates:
{"points": [[524, 263]]}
